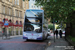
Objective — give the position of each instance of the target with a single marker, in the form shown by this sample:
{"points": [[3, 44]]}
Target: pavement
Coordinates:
{"points": [[59, 44], [10, 37]]}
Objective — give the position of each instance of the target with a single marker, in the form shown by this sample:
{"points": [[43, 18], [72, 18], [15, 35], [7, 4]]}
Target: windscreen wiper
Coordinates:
{"points": [[34, 13]]}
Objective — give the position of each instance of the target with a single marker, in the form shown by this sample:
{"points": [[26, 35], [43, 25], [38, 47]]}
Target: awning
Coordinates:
{"points": [[1, 22], [20, 25], [11, 24], [6, 26], [15, 25]]}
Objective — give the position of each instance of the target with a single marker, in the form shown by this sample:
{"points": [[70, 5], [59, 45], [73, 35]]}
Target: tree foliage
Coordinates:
{"points": [[63, 26], [50, 26], [58, 9]]}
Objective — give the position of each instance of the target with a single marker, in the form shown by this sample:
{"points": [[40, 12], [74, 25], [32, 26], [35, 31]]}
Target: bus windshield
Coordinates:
{"points": [[34, 13], [33, 20], [33, 27]]}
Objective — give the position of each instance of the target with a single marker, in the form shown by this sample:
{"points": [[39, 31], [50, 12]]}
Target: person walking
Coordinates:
{"points": [[56, 32], [60, 33]]}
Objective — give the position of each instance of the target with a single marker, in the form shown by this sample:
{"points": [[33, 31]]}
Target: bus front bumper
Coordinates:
{"points": [[39, 38]]}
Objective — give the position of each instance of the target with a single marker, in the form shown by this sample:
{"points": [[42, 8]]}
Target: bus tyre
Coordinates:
{"points": [[46, 37]]}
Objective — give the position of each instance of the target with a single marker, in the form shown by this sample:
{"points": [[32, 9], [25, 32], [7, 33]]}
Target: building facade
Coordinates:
{"points": [[13, 9]]}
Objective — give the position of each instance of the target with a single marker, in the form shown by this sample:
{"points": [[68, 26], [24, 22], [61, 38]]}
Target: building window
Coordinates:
{"points": [[9, 0], [26, 6], [23, 5], [19, 14], [4, 9], [15, 12], [17, 2], [9, 11]]}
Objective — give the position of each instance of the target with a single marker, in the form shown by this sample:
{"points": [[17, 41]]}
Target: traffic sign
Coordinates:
{"points": [[6, 23]]}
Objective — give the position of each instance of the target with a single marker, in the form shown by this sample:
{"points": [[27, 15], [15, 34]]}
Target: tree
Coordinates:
{"points": [[50, 26], [58, 9], [61, 10], [63, 26]]}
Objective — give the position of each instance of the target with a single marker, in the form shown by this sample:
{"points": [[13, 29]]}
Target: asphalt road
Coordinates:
{"points": [[17, 43]]}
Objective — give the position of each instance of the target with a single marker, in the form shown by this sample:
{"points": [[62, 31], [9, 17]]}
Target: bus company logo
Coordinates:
{"points": [[32, 34]]}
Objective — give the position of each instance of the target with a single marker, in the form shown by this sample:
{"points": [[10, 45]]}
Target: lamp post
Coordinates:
{"points": [[54, 28]]}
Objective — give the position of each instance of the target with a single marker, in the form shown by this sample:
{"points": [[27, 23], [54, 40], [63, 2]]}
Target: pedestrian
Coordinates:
{"points": [[56, 32], [60, 33]]}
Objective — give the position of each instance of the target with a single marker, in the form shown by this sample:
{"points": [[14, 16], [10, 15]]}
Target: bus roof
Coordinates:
{"points": [[34, 10]]}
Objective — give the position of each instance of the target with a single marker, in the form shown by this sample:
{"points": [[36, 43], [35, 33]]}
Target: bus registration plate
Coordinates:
{"points": [[32, 38]]}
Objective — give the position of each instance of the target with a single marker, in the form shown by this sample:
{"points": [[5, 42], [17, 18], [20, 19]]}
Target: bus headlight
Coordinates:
{"points": [[40, 35], [24, 34]]}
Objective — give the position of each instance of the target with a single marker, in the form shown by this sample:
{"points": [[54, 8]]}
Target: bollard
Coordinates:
{"points": [[12, 30], [19, 31], [6, 32], [16, 30]]}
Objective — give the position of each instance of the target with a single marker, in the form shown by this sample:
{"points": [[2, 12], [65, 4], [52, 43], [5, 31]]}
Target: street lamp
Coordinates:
{"points": [[54, 28]]}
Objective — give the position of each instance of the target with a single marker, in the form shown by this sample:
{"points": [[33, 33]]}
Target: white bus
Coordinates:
{"points": [[35, 27]]}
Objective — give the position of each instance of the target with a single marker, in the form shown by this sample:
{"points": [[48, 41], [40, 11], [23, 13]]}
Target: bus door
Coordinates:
{"points": [[45, 30]]}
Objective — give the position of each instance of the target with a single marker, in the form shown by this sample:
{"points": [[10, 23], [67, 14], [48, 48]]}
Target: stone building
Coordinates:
{"points": [[13, 10]]}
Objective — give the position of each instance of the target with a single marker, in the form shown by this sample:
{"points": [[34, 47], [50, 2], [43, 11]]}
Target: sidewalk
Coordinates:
{"points": [[59, 44], [11, 37]]}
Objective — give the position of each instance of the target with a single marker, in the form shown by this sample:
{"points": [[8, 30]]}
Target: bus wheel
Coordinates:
{"points": [[46, 37]]}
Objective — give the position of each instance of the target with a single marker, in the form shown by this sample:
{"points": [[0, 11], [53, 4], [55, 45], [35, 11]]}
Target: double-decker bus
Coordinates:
{"points": [[35, 27]]}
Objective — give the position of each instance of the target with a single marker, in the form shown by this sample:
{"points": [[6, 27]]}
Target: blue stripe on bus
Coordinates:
{"points": [[39, 38], [25, 38]]}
